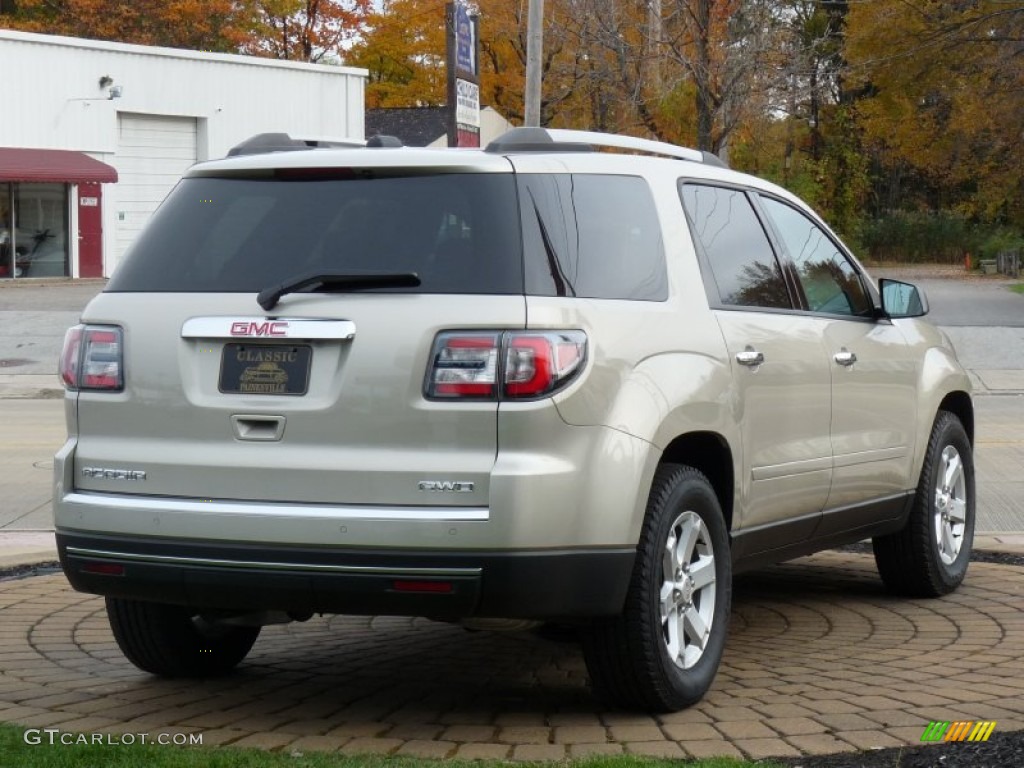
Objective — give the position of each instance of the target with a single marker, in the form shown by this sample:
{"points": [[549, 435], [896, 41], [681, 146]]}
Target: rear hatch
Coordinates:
{"points": [[318, 394]]}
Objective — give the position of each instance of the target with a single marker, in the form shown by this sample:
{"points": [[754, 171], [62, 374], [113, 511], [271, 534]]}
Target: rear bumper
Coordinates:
{"points": [[247, 577]]}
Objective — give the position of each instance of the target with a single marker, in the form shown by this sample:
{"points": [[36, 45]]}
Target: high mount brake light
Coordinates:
{"points": [[509, 365], [314, 174], [93, 358]]}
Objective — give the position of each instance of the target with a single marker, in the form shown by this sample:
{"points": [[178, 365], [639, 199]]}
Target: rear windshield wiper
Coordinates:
{"points": [[346, 281]]}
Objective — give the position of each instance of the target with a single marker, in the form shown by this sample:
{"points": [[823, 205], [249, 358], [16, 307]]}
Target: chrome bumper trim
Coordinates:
{"points": [[323, 511]]}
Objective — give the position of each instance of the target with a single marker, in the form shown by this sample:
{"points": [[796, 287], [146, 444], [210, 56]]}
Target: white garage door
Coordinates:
{"points": [[152, 153]]}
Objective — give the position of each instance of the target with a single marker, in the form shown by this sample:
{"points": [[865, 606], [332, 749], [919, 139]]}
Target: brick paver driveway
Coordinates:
{"points": [[819, 660]]}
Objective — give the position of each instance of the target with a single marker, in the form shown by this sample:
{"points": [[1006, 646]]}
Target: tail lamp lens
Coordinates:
{"points": [[465, 365], [93, 358], [504, 365], [538, 364], [69, 356]]}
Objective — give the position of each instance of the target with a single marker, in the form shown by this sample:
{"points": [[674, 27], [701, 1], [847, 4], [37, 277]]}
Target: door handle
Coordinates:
{"points": [[844, 357], [749, 357]]}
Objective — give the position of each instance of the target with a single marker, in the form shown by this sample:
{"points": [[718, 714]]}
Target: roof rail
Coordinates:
{"points": [[262, 143], [563, 140]]}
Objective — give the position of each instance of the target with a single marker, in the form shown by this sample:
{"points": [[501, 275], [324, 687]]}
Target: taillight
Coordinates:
{"points": [[508, 365], [92, 358], [69, 356], [465, 365]]}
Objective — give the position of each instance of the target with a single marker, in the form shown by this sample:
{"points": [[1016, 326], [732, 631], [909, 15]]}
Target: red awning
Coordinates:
{"points": [[58, 165]]}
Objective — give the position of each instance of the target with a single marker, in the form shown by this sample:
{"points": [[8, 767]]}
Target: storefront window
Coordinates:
{"points": [[6, 249], [33, 230]]}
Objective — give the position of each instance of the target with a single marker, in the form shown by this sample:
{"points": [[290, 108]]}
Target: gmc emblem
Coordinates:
{"points": [[269, 328]]}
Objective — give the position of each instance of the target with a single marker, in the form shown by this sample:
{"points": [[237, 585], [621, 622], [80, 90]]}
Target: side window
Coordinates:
{"points": [[829, 280], [742, 261], [592, 236]]}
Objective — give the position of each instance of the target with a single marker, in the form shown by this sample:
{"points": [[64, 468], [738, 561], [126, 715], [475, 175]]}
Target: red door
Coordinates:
{"points": [[90, 229]]}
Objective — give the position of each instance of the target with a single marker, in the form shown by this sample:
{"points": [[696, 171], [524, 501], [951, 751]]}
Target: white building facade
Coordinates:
{"points": [[93, 135]]}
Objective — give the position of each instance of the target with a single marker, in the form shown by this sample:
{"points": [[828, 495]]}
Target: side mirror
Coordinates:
{"points": [[901, 299]]}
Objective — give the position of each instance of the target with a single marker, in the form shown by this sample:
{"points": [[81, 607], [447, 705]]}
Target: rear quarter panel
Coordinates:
{"points": [[656, 370]]}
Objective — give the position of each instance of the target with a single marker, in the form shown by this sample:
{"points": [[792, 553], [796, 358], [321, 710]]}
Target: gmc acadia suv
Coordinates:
{"points": [[538, 381]]}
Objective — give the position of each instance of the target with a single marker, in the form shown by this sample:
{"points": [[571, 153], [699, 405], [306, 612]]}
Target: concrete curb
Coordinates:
{"points": [[21, 548], [1002, 541], [30, 386]]}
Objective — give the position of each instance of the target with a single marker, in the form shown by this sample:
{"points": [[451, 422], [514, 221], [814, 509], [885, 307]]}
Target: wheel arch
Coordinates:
{"points": [[959, 403], [709, 453]]}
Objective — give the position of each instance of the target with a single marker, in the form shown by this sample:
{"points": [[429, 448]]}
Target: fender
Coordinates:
{"points": [[941, 375]]}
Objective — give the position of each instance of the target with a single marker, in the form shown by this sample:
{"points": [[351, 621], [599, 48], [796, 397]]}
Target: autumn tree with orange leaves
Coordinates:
{"points": [[305, 30], [861, 107], [297, 30], [214, 25], [945, 96], [403, 50]]}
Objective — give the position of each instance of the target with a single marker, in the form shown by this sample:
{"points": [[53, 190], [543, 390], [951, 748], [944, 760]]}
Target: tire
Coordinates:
{"points": [[172, 641], [929, 557], [649, 658]]}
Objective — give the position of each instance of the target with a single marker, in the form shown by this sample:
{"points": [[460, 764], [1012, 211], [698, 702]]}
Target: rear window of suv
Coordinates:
{"points": [[459, 232]]}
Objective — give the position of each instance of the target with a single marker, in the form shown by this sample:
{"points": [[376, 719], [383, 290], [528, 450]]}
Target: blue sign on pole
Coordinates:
{"points": [[465, 45]]}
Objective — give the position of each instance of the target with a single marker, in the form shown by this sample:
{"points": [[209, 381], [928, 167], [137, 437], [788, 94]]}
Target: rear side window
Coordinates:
{"points": [[591, 236], [458, 232], [736, 247]]}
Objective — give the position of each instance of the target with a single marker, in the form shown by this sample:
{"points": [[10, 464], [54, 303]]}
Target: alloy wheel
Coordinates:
{"points": [[688, 590]]}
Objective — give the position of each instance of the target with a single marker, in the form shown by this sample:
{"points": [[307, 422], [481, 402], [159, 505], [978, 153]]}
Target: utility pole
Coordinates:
{"points": [[534, 52]]}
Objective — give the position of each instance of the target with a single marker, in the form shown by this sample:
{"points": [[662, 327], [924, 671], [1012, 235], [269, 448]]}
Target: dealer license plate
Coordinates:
{"points": [[265, 369]]}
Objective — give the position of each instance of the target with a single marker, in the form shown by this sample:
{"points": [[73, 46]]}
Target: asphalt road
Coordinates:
{"points": [[959, 303], [33, 318], [46, 295]]}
